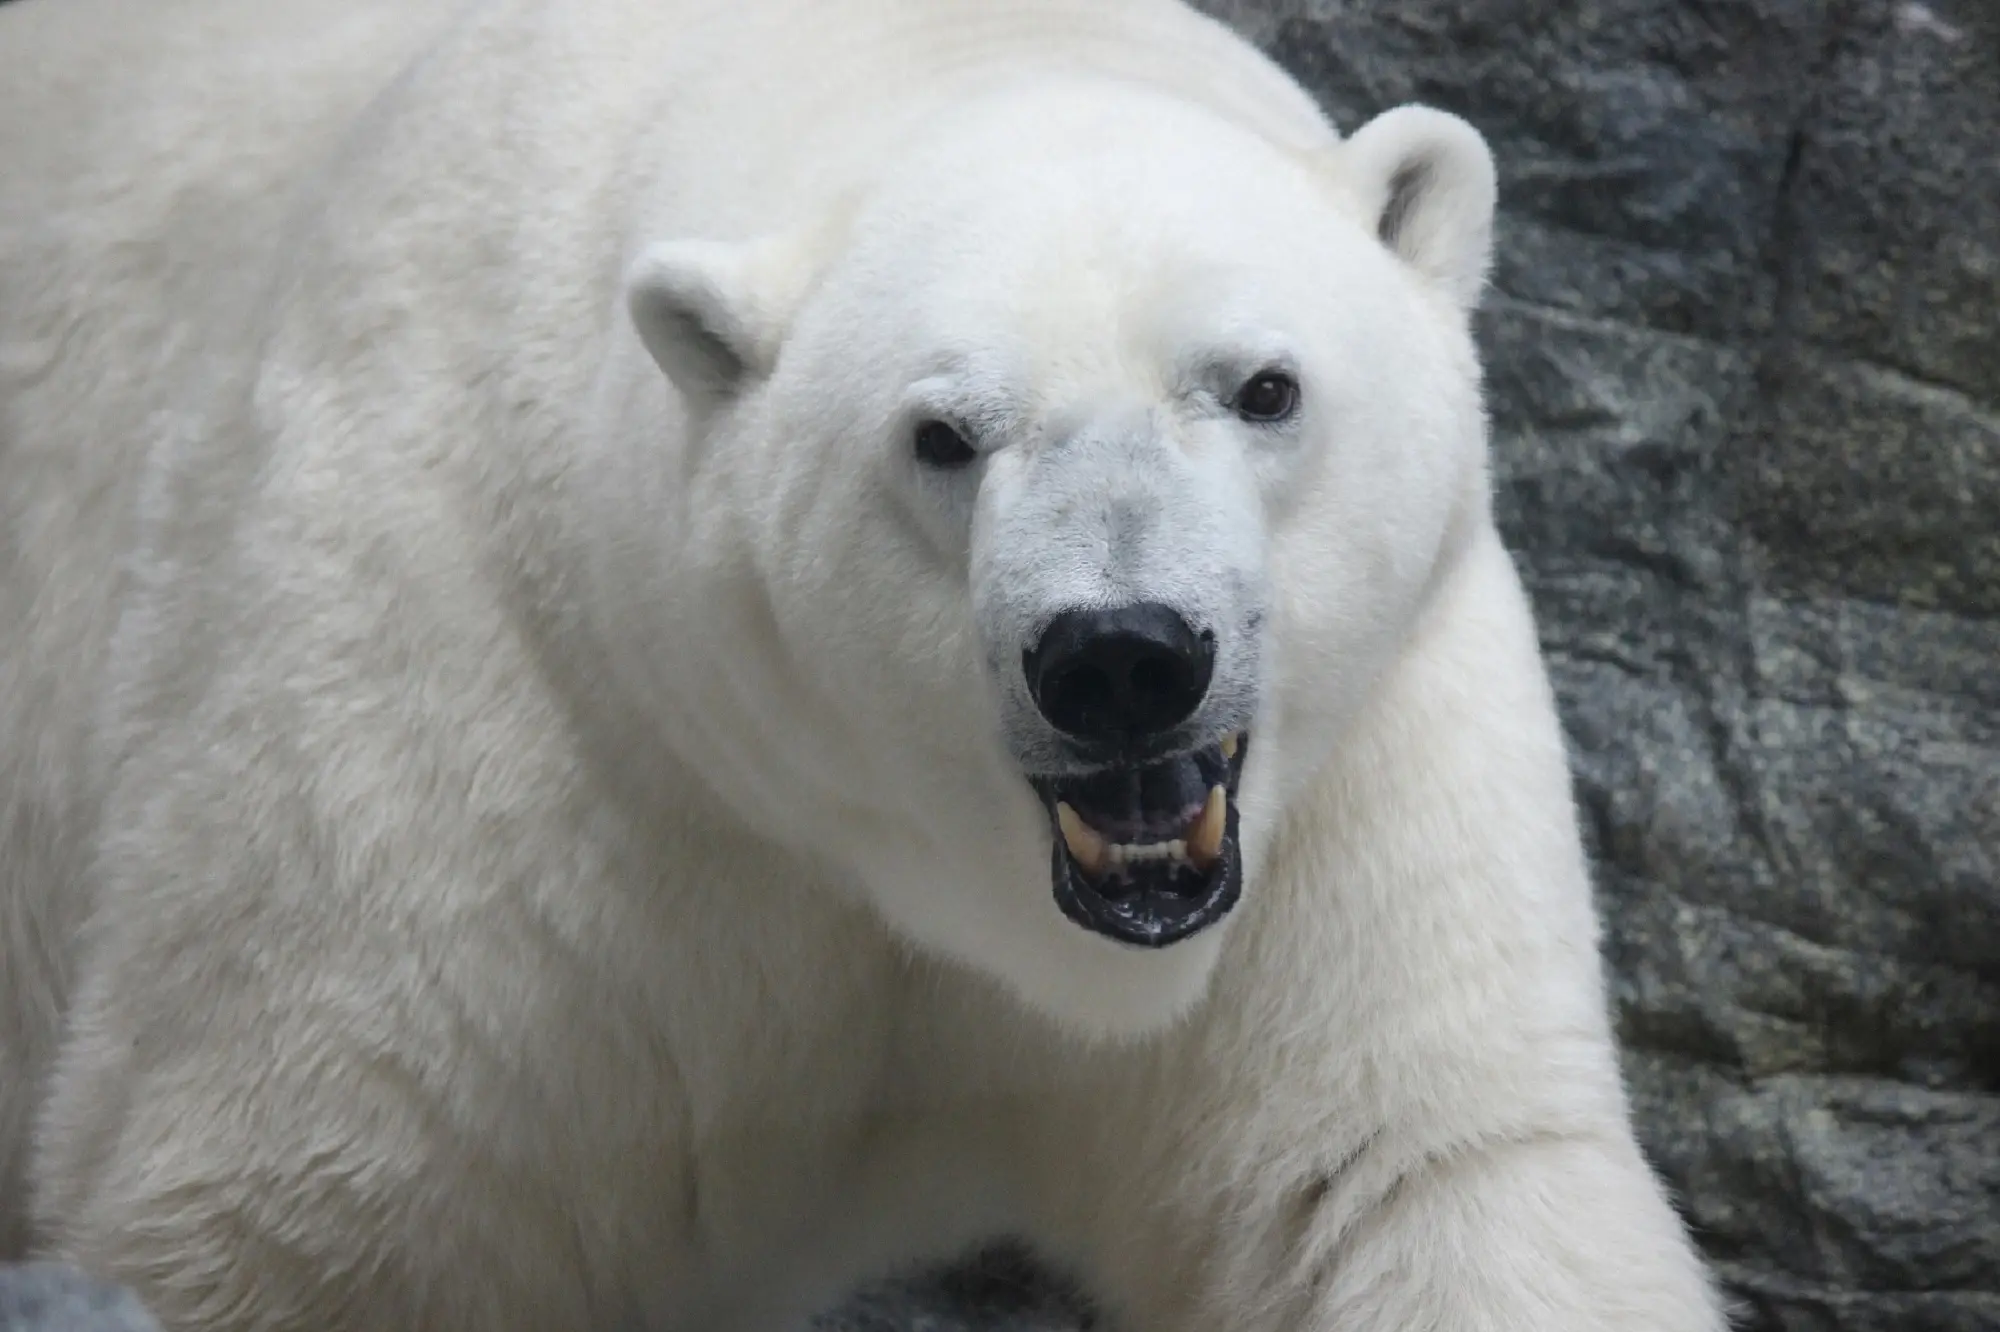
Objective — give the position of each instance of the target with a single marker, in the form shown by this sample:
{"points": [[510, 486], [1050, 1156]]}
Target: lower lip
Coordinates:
{"points": [[1151, 920]]}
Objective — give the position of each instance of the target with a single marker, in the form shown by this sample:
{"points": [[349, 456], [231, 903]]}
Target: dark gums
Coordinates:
{"points": [[1160, 903], [1151, 919]]}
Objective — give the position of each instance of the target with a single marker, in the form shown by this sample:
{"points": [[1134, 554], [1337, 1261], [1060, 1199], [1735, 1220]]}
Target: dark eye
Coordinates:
{"points": [[1269, 396], [938, 445]]}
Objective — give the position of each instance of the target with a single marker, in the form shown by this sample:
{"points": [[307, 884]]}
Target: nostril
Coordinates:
{"points": [[1116, 674], [1158, 678], [1073, 696]]}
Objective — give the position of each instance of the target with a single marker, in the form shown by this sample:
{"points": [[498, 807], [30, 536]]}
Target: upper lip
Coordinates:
{"points": [[1096, 761], [1093, 758]]}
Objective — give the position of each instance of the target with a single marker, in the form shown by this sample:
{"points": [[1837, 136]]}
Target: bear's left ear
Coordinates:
{"points": [[713, 313], [1426, 183]]}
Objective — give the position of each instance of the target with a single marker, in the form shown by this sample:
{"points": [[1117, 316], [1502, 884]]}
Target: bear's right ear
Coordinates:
{"points": [[1427, 187], [713, 313]]}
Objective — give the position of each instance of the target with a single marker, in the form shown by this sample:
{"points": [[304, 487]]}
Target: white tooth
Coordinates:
{"points": [[1204, 835], [1140, 853], [1086, 845], [1229, 743]]}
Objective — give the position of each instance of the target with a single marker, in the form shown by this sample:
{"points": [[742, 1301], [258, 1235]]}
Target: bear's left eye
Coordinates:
{"points": [[1268, 396], [939, 445]]}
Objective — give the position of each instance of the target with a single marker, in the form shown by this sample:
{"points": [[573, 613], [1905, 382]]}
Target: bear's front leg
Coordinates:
{"points": [[247, 1164], [1549, 1230], [1539, 1233], [1536, 1234], [316, 1101]]}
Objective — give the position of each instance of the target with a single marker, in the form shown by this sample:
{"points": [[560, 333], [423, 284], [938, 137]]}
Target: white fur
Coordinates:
{"points": [[494, 835]]}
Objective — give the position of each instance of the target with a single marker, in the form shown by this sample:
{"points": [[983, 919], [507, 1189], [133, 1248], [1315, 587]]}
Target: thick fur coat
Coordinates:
{"points": [[518, 787]]}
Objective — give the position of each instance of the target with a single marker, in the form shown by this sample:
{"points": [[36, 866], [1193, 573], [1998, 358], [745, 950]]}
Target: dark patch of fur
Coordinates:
{"points": [[1406, 190]]}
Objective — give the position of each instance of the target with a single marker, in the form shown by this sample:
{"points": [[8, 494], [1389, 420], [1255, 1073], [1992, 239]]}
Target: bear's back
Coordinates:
{"points": [[151, 150]]}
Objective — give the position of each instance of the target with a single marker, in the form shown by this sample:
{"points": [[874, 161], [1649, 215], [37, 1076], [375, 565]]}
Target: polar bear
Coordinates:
{"points": [[657, 655]]}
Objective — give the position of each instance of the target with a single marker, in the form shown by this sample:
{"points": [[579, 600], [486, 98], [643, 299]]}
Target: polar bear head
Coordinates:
{"points": [[1042, 517]]}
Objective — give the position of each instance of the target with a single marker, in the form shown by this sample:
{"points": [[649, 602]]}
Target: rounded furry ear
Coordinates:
{"points": [[1426, 183], [713, 313]]}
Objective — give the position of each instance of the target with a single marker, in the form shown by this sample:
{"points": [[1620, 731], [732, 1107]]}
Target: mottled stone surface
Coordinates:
{"points": [[998, 1291], [43, 1297]]}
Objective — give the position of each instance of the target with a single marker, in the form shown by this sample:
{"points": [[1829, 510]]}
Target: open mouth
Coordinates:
{"points": [[1148, 855]]}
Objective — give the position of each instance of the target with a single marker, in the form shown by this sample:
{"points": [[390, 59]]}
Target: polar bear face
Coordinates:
{"points": [[1049, 511]]}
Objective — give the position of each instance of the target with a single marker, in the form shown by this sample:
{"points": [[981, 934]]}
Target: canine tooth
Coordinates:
{"points": [[1229, 744], [1204, 835], [1087, 846]]}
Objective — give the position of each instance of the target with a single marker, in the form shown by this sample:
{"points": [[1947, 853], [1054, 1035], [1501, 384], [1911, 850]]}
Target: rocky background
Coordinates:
{"points": [[1744, 348]]}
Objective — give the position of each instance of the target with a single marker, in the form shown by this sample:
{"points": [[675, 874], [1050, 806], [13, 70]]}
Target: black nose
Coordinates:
{"points": [[1119, 675]]}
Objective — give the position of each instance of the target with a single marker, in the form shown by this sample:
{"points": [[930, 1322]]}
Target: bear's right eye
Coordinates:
{"points": [[938, 445]]}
